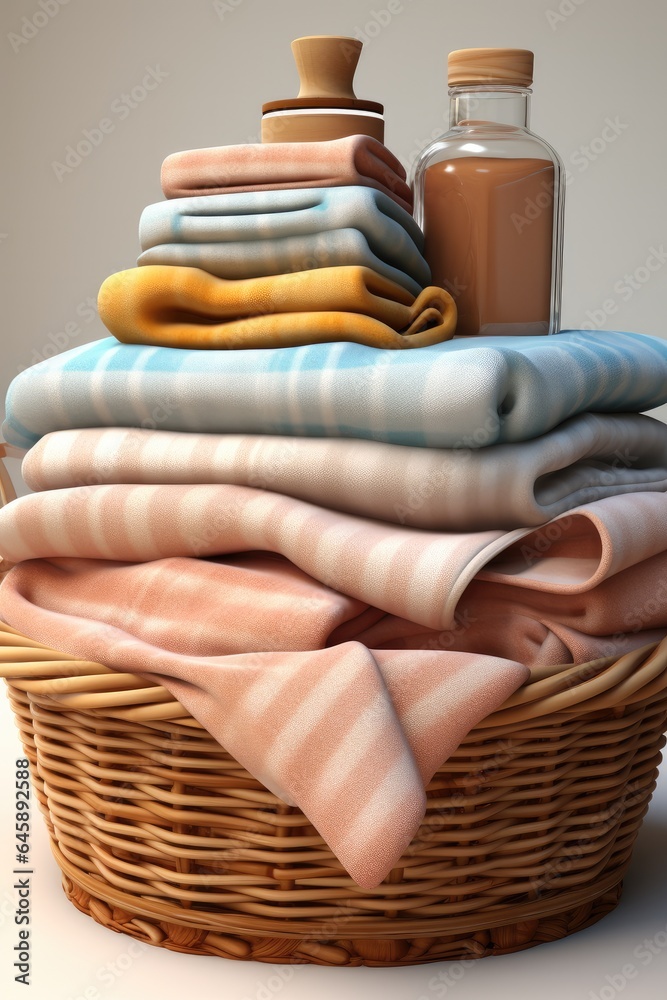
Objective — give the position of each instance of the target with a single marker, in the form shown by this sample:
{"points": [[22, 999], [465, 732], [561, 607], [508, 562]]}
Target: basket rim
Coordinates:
{"points": [[77, 684]]}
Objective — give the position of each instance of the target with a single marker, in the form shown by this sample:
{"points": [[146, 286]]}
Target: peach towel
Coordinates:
{"points": [[350, 735], [414, 574], [585, 458], [355, 159], [171, 306]]}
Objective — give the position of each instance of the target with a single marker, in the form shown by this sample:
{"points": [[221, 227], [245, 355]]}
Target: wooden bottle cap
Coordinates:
{"points": [[326, 66], [489, 67]]}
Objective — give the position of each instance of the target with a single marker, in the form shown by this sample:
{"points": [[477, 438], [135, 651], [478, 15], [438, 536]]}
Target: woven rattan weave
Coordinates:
{"points": [[162, 835]]}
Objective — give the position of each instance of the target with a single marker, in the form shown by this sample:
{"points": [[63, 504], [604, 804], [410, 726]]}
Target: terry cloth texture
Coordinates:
{"points": [[187, 308], [464, 393], [262, 233], [504, 486], [354, 160]]}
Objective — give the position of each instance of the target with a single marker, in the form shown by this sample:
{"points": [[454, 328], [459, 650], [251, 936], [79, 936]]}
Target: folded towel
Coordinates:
{"points": [[505, 486], [465, 393], [408, 572], [497, 617], [349, 735], [272, 232], [354, 160], [186, 307]]}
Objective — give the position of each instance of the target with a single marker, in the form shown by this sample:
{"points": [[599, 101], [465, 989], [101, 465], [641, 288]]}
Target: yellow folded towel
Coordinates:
{"points": [[186, 307]]}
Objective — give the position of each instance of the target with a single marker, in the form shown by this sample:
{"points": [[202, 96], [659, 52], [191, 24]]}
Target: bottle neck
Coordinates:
{"points": [[500, 105]]}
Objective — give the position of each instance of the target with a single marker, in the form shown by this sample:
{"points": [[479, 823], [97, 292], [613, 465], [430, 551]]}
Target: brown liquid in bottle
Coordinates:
{"points": [[488, 224]]}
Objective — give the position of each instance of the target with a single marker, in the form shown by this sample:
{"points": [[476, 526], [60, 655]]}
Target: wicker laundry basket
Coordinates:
{"points": [[162, 835]]}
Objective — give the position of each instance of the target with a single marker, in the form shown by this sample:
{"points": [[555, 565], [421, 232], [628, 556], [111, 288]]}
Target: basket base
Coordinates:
{"points": [[376, 952]]}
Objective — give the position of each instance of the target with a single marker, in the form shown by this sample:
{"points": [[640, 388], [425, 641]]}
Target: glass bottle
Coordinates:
{"points": [[489, 195]]}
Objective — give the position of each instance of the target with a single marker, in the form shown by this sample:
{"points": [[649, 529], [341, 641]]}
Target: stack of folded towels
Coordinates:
{"points": [[339, 556], [327, 252]]}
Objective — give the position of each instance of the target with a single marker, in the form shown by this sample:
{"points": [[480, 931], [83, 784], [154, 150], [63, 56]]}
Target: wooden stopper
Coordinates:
{"points": [[326, 65]]}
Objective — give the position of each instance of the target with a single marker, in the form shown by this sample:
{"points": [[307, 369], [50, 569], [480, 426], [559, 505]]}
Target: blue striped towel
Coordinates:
{"points": [[274, 232], [469, 392]]}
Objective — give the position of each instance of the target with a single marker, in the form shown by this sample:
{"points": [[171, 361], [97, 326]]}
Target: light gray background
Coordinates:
{"points": [[59, 239]]}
